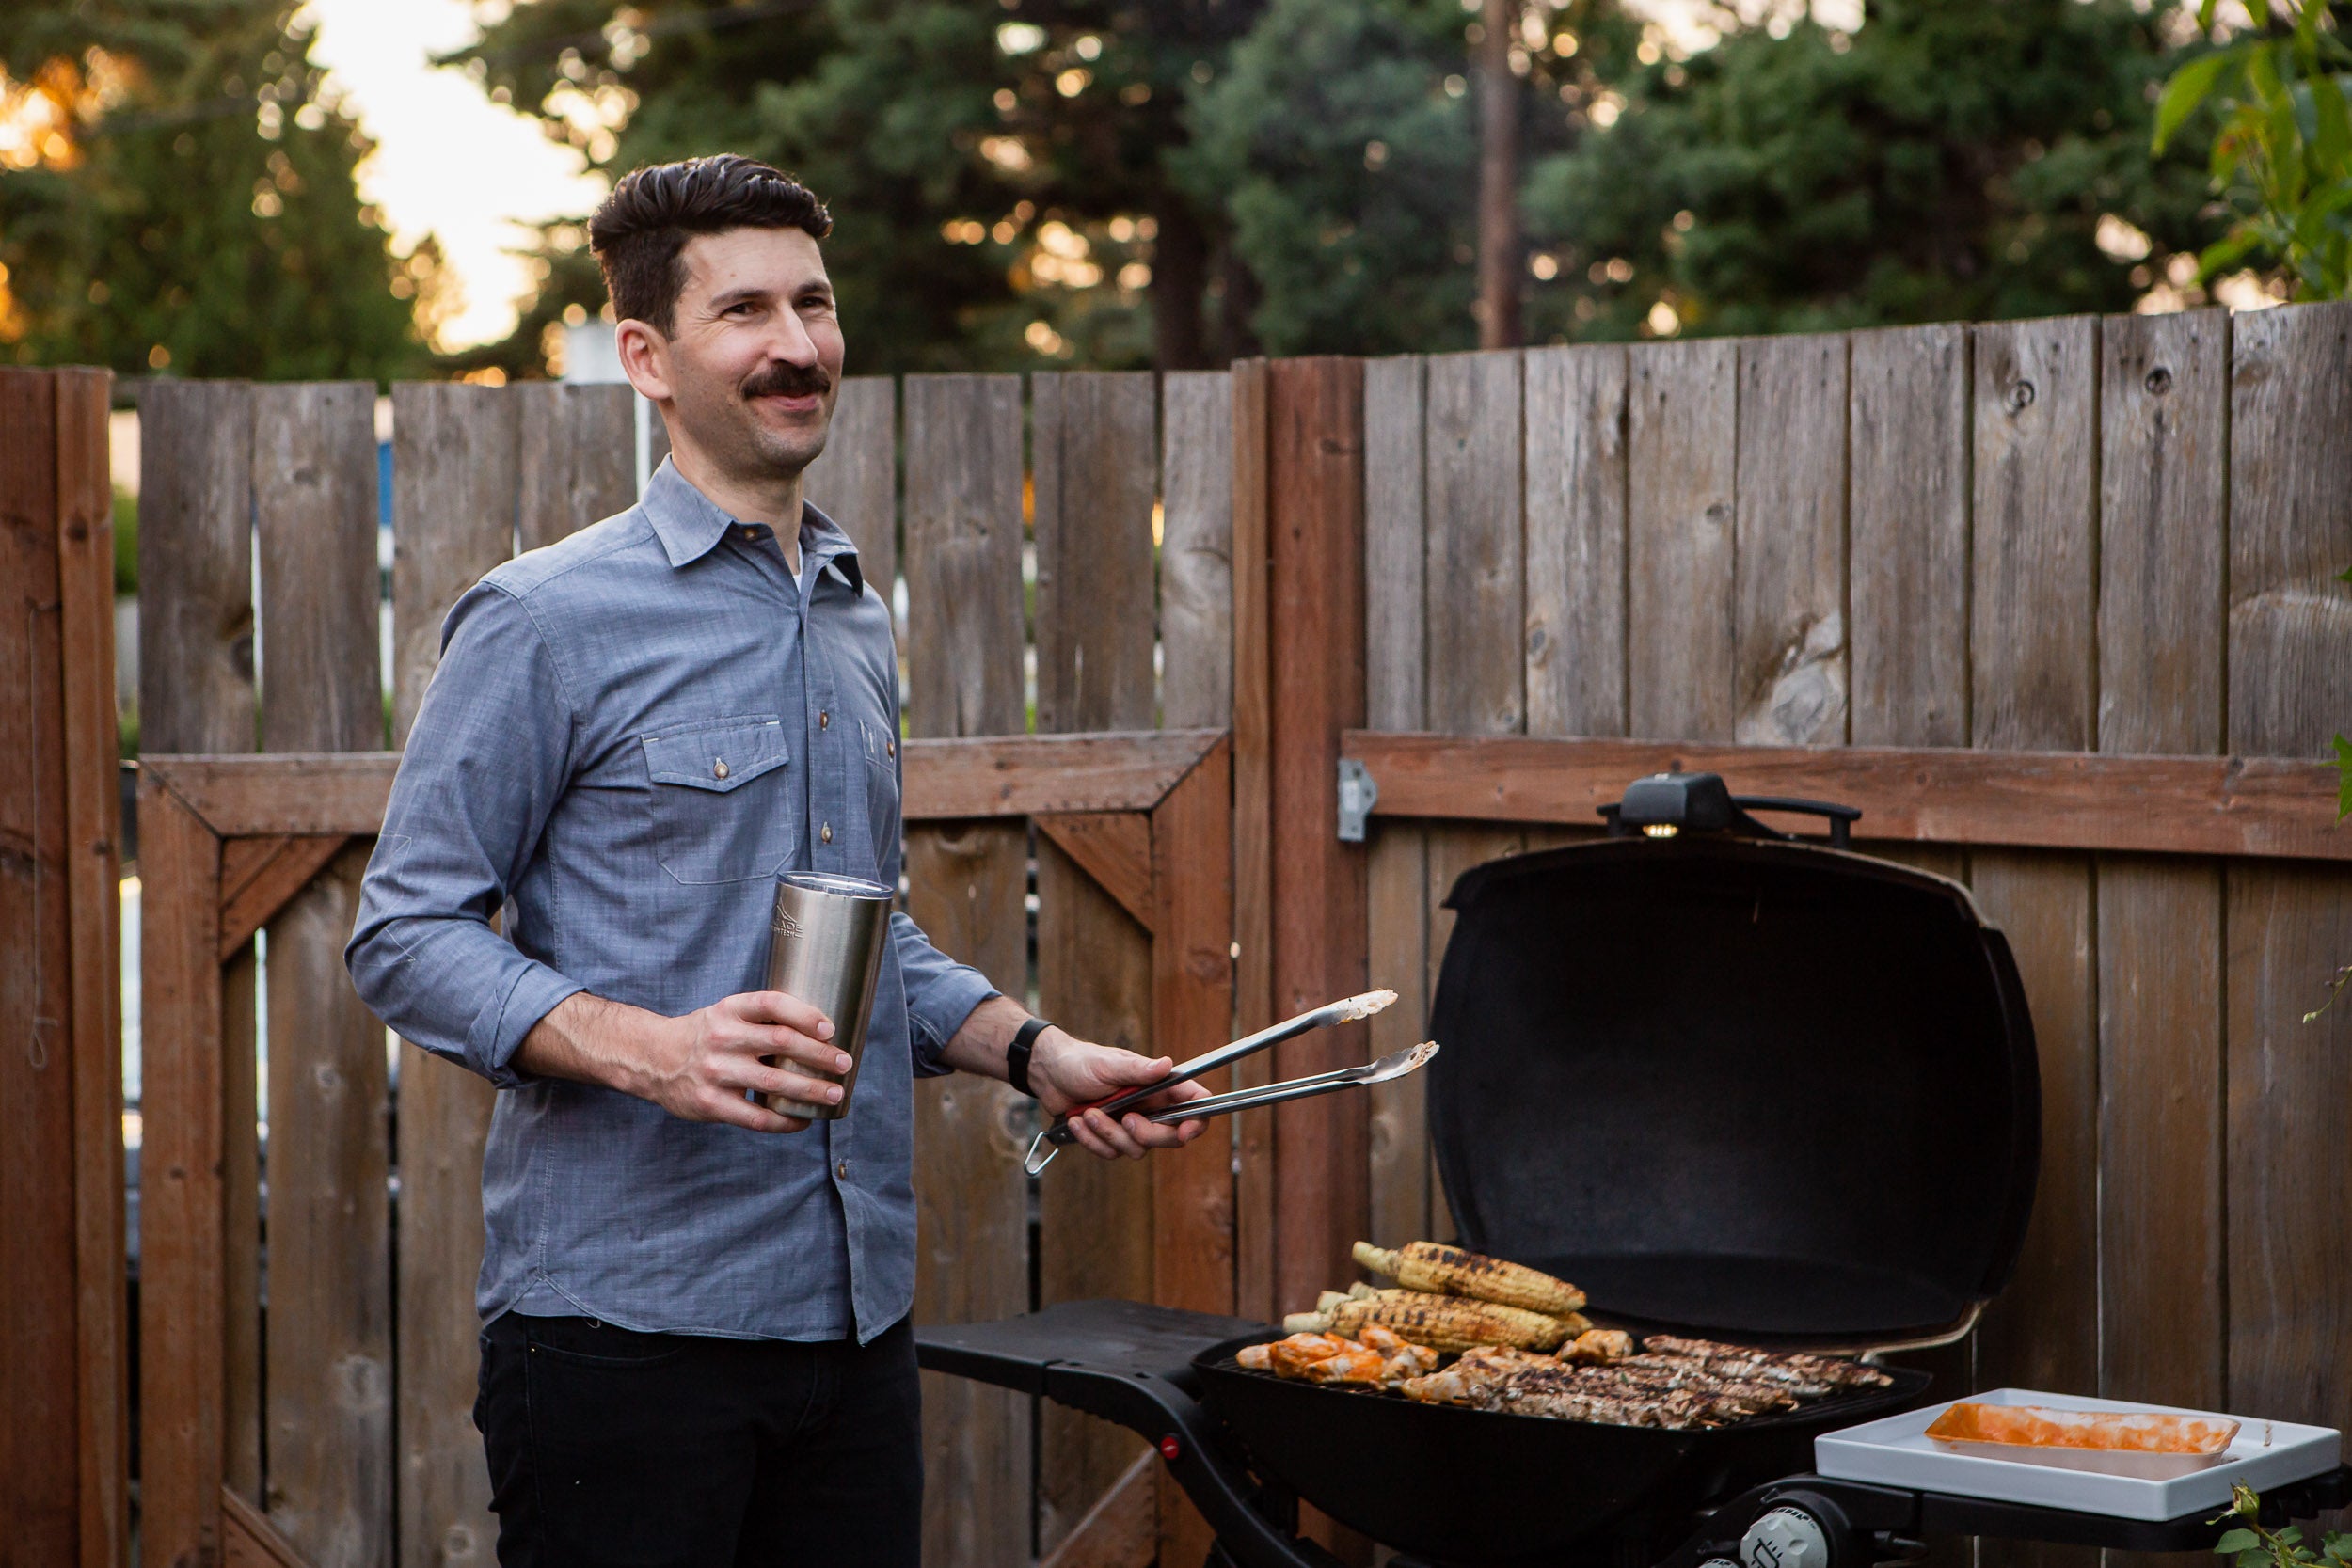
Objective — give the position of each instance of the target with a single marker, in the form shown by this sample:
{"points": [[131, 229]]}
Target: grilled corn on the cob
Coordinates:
{"points": [[1450, 1271], [1442, 1323]]}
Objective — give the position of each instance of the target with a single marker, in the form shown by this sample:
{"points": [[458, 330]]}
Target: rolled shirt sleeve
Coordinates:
{"points": [[486, 762], [941, 994]]}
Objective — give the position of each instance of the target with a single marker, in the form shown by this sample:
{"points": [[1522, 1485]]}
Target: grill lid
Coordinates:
{"points": [[1747, 1087]]}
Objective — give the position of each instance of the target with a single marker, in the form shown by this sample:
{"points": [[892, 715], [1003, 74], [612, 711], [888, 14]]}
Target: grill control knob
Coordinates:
{"points": [[1785, 1537]]}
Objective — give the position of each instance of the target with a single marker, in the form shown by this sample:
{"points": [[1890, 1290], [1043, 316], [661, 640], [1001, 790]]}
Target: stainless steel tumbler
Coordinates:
{"points": [[825, 946]]}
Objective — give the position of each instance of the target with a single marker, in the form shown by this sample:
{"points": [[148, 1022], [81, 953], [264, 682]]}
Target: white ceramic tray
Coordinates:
{"points": [[1897, 1451]]}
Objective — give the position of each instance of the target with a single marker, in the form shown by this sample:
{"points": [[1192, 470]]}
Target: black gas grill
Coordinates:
{"points": [[1733, 1084]]}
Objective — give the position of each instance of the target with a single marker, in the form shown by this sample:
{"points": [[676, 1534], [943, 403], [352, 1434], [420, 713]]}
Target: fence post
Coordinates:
{"points": [[61, 1243]]}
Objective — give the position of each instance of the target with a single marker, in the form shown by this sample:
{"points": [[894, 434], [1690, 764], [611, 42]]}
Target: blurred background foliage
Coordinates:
{"points": [[176, 194], [1019, 184]]}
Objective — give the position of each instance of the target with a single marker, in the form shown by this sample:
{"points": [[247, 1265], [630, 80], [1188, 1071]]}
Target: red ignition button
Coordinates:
{"points": [[1170, 1447]]}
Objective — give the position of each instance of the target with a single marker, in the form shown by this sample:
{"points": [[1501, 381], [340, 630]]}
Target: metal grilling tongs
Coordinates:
{"points": [[1047, 1144]]}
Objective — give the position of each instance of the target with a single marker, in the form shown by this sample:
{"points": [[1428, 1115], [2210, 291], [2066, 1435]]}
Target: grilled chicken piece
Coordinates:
{"points": [[1598, 1347], [1359, 1364], [1399, 1359], [1474, 1375], [1317, 1359], [1450, 1271], [1809, 1376], [1442, 1323]]}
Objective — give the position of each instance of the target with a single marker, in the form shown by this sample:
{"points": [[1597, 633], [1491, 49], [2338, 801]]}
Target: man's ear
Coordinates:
{"points": [[644, 359]]}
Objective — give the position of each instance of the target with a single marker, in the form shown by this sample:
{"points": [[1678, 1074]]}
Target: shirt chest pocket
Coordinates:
{"points": [[722, 803]]}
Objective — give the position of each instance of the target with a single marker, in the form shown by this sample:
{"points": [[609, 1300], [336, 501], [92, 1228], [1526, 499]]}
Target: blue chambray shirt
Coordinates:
{"points": [[630, 733]]}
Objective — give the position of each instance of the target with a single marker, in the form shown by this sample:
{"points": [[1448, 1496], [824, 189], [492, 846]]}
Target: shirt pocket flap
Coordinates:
{"points": [[718, 755]]}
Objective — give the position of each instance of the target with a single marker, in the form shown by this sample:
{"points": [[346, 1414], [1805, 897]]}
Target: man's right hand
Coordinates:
{"points": [[698, 1067]]}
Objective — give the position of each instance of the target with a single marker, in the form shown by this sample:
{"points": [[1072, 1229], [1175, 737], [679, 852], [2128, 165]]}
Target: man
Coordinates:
{"points": [[695, 1349]]}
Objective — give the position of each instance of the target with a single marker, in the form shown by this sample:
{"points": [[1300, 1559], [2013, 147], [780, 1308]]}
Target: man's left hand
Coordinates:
{"points": [[1068, 1073]]}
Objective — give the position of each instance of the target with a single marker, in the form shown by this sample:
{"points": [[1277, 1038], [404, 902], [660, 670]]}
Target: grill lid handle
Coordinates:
{"points": [[1664, 804]]}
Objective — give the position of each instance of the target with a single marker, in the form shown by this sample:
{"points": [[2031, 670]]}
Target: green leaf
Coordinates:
{"points": [[2236, 1541], [2257, 1558], [2344, 775], [2333, 125], [2204, 14], [2189, 86]]}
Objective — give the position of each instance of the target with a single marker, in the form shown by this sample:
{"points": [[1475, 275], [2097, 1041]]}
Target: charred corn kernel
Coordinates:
{"points": [[1450, 1271], [1446, 1322]]}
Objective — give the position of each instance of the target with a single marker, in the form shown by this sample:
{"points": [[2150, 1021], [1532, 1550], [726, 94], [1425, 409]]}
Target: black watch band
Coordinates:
{"points": [[1017, 1055]]}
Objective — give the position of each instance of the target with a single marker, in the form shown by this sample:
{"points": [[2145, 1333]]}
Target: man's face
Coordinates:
{"points": [[754, 360]]}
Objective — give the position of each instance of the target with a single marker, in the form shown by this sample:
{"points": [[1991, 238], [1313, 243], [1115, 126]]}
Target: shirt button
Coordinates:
{"points": [[890, 747], [824, 719], [842, 1170], [827, 835], [719, 768]]}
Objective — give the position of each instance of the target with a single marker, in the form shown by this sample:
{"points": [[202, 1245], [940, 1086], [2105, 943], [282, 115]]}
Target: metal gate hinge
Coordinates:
{"points": [[1358, 794]]}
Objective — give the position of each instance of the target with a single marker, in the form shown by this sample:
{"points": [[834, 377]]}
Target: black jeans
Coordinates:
{"points": [[615, 1449]]}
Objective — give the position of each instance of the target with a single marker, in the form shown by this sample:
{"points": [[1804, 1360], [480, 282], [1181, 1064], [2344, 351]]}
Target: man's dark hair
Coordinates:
{"points": [[642, 229]]}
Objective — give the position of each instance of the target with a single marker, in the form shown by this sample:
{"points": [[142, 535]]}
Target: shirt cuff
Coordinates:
{"points": [[947, 1001], [499, 1031]]}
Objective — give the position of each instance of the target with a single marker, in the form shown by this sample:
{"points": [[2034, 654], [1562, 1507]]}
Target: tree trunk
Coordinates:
{"points": [[1180, 273], [1498, 176]]}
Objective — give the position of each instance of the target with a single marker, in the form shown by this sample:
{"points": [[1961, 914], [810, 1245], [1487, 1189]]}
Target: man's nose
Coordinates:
{"points": [[789, 341]]}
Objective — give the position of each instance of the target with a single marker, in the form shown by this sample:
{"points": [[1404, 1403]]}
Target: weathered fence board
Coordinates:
{"points": [[1396, 565], [1094, 466], [40, 1480], [1254, 1238], [576, 457], [456, 482], [84, 523], [1576, 541], [1682, 440], [1790, 603], [967, 884], [1192, 1192], [2032, 641], [1909, 545], [197, 694], [1315, 625], [2290, 642], [2163, 414], [1196, 551], [328, 1428]]}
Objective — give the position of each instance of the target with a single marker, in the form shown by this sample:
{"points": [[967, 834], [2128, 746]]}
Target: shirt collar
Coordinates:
{"points": [[689, 525]]}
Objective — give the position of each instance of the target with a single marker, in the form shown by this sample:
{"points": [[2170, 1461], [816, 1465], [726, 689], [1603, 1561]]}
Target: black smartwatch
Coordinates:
{"points": [[1017, 1055]]}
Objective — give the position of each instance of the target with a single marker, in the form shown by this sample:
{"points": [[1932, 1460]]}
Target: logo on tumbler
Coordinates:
{"points": [[787, 926]]}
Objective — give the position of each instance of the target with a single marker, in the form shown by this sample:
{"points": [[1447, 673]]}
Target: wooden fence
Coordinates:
{"points": [[2085, 535], [1978, 576]]}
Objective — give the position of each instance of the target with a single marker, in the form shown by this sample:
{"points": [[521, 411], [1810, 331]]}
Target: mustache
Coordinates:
{"points": [[791, 380]]}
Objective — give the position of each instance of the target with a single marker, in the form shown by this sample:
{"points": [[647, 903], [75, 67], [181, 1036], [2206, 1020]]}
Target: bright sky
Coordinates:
{"points": [[448, 161]]}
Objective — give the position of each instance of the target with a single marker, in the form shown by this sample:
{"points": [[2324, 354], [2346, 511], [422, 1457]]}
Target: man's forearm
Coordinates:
{"points": [[979, 1043], [589, 1039]]}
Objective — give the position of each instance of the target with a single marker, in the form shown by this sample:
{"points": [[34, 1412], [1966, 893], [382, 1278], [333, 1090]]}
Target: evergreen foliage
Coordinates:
{"points": [[1950, 160], [190, 208]]}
